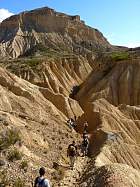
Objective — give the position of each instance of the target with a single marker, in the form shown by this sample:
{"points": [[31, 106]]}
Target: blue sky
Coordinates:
{"points": [[118, 20]]}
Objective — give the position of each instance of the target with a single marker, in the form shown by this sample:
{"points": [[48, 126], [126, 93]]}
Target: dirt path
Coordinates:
{"points": [[72, 176]]}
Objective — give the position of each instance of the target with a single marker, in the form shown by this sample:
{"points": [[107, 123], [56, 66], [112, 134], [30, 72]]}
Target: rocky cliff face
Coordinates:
{"points": [[59, 31]]}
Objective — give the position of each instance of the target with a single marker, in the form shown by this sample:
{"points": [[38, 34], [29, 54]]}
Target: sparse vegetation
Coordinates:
{"points": [[32, 62], [24, 164], [8, 138], [19, 183], [14, 155], [39, 47], [42, 50], [117, 56], [3, 178]]}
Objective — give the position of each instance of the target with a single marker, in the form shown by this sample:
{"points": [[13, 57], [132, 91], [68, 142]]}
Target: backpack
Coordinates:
{"points": [[40, 182], [85, 142], [72, 150]]}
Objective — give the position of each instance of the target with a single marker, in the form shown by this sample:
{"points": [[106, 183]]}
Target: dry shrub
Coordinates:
{"points": [[14, 154]]}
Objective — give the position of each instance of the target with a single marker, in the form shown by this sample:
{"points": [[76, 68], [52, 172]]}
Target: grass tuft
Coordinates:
{"points": [[8, 138], [14, 155], [19, 183], [24, 164]]}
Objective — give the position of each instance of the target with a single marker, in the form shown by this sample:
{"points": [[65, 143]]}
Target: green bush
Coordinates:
{"points": [[117, 56], [14, 155], [10, 137]]}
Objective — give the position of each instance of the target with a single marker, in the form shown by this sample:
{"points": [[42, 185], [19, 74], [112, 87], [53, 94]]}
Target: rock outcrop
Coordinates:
{"points": [[20, 33]]}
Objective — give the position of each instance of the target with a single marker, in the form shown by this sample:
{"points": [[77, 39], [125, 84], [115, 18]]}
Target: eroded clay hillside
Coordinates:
{"points": [[59, 74], [33, 126], [110, 99]]}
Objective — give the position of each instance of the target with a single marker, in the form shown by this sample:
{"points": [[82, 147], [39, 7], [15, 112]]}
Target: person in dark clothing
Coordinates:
{"points": [[85, 135], [85, 146], [72, 153], [41, 181], [71, 123], [75, 118], [85, 127]]}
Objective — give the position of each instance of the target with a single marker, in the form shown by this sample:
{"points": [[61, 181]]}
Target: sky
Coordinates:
{"points": [[118, 20]]}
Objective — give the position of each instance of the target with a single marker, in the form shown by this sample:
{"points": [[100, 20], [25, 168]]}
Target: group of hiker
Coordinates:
{"points": [[72, 153]]}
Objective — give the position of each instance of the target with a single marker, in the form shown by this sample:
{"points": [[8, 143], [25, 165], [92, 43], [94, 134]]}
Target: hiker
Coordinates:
{"points": [[41, 181], [85, 127], [85, 135], [75, 118], [72, 153], [74, 122], [85, 146], [71, 123]]}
